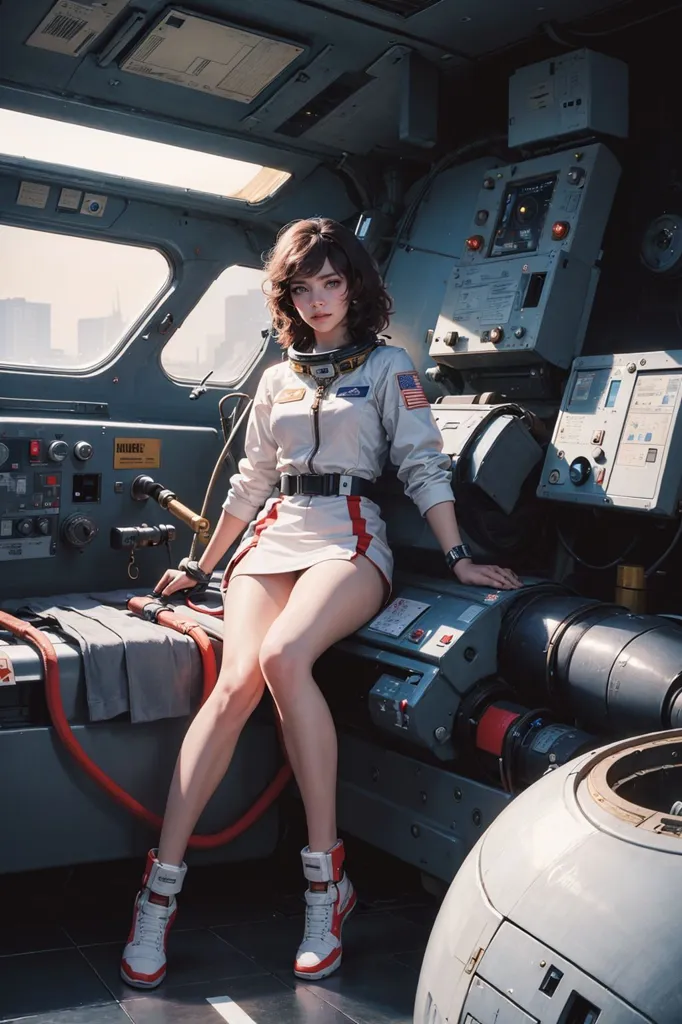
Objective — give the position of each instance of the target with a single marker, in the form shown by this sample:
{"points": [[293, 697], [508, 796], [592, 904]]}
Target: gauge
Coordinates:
{"points": [[661, 251], [4, 453]]}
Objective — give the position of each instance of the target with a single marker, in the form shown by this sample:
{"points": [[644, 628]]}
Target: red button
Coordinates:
{"points": [[51, 481], [34, 449], [416, 635], [599, 478], [404, 706], [446, 638]]}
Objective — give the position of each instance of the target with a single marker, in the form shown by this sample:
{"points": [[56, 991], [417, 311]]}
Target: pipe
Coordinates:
{"points": [[37, 639]]}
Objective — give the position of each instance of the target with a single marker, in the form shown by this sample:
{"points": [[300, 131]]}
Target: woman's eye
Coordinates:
{"points": [[334, 283], [297, 289]]}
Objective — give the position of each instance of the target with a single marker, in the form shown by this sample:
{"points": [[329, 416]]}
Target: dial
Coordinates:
{"points": [[78, 531], [4, 453], [25, 527], [43, 525], [82, 450], [661, 251], [57, 451], [579, 471]]}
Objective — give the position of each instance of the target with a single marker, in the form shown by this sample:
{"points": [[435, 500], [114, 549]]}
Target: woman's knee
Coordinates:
{"points": [[238, 691], [283, 662]]}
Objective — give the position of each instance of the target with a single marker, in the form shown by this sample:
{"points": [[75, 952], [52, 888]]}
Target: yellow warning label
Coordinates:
{"points": [[137, 452]]}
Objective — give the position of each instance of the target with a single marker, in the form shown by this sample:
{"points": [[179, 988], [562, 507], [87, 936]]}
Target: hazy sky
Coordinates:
{"points": [[82, 277]]}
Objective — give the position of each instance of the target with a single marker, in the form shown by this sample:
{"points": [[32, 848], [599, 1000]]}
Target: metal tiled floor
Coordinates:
{"points": [[237, 929]]}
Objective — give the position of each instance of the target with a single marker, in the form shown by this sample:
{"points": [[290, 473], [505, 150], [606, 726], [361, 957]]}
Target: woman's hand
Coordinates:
{"points": [[172, 581], [491, 576]]}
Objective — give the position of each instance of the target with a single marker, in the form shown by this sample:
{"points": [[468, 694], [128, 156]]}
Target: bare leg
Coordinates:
{"points": [[252, 604], [328, 602]]}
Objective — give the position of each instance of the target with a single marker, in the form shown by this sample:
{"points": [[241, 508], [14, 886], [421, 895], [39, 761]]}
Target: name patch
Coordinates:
{"points": [[353, 392], [291, 395]]}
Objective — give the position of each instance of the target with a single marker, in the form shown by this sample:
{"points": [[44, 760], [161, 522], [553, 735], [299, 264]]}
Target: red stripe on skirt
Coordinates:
{"points": [[359, 525]]}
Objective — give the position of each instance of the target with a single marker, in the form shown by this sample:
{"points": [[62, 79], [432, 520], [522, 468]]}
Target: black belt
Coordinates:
{"points": [[326, 485]]}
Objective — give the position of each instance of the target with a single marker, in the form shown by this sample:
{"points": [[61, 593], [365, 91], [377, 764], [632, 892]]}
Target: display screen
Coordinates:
{"points": [[523, 216], [614, 388]]}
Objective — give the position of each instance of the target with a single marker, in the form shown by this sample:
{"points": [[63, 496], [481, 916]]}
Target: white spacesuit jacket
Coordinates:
{"points": [[376, 410]]}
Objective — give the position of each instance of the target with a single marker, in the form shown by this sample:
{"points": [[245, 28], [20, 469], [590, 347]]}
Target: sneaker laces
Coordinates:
{"points": [[150, 926], [318, 916]]}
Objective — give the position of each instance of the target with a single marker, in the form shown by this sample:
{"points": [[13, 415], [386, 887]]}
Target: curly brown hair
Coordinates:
{"points": [[300, 251]]}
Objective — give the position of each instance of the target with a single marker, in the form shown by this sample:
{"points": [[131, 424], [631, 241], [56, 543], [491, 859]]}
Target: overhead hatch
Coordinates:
{"points": [[210, 57]]}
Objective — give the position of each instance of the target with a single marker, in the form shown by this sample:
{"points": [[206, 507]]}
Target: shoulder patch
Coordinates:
{"points": [[353, 391], [290, 395], [411, 389]]}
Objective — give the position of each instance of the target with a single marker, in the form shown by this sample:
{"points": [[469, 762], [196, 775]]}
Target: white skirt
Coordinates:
{"points": [[292, 533]]}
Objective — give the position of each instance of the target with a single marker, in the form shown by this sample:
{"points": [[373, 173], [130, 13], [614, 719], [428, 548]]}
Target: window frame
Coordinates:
{"points": [[217, 385], [166, 289]]}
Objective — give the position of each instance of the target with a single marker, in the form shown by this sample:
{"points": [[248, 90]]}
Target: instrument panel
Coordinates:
{"points": [[66, 483]]}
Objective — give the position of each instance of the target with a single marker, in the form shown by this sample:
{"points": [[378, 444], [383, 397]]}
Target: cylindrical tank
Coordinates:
{"points": [[614, 672], [565, 911]]}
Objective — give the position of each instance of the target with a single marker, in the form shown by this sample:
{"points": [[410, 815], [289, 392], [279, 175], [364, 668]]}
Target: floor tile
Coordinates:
{"points": [[370, 990], [412, 960], [109, 1014], [193, 956], [272, 945], [262, 997], [37, 982], [25, 938]]}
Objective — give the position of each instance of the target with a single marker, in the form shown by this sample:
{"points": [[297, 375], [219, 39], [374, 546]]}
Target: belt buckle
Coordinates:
{"points": [[345, 485]]}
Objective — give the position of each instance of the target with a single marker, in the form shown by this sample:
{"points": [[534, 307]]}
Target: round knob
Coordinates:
{"points": [[497, 335], [554, 477], [579, 471], [451, 338], [79, 530], [598, 454], [57, 451], [4, 453], [82, 450], [519, 332], [25, 527], [43, 526]]}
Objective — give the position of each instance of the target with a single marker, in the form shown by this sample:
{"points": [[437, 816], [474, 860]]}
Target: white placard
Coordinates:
{"points": [[69, 199], [205, 55], [33, 194], [70, 28], [395, 619]]}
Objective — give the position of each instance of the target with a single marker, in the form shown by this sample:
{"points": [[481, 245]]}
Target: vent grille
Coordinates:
{"points": [[401, 8]]}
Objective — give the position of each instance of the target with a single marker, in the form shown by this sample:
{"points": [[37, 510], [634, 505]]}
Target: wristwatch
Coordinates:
{"points": [[456, 554]]}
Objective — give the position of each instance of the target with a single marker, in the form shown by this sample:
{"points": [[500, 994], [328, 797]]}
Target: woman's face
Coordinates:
{"points": [[321, 301]]}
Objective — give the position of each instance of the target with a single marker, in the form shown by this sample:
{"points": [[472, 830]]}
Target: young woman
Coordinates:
{"points": [[312, 567]]}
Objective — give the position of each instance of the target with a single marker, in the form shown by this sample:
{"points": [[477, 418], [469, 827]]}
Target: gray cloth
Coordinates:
{"points": [[129, 664]]}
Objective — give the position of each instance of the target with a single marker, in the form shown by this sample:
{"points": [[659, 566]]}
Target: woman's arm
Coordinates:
{"points": [[443, 521]]}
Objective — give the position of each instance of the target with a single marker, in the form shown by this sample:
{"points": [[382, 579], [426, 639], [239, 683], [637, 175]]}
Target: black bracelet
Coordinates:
{"points": [[193, 570]]}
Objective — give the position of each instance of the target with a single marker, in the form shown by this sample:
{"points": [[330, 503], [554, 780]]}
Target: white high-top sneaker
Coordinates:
{"points": [[320, 952], [143, 964]]}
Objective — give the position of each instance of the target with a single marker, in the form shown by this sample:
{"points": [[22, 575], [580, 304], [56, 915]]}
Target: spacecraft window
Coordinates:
{"points": [[223, 331]]}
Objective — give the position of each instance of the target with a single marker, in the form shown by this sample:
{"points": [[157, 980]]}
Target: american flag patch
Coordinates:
{"points": [[412, 391]]}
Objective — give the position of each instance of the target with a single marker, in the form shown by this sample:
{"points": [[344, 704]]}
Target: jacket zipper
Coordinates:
{"points": [[315, 409]]}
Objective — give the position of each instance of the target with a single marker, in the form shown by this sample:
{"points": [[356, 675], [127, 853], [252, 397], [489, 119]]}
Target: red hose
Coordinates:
{"points": [[215, 612], [36, 638]]}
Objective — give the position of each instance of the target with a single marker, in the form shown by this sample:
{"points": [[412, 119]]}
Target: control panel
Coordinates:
{"points": [[65, 484], [618, 439], [523, 289], [422, 654]]}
